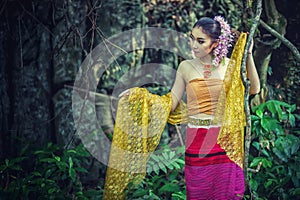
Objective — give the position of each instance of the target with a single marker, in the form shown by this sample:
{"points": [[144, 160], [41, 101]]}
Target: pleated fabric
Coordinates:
{"points": [[209, 173]]}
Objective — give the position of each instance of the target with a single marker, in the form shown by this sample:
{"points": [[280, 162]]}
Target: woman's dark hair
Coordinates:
{"points": [[210, 27]]}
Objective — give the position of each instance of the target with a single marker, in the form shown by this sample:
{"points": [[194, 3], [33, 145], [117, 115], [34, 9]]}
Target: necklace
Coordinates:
{"points": [[207, 69]]}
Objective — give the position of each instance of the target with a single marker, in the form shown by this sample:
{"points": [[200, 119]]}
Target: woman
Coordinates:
{"points": [[209, 172], [214, 138]]}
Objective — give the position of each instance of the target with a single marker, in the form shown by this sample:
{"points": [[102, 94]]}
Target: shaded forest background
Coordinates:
{"points": [[43, 44]]}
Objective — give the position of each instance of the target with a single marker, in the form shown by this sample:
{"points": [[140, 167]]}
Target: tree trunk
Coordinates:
{"points": [[267, 43], [26, 75], [5, 143]]}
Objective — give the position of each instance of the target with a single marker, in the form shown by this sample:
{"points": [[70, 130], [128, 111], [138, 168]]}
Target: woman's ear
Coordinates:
{"points": [[215, 44]]}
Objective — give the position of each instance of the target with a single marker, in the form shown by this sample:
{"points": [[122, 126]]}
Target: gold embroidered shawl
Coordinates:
{"points": [[142, 117]]}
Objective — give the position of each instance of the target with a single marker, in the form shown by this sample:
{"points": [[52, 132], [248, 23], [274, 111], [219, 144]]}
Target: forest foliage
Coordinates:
{"points": [[43, 45]]}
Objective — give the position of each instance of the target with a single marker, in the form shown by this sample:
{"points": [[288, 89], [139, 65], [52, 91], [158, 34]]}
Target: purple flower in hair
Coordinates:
{"points": [[225, 39]]}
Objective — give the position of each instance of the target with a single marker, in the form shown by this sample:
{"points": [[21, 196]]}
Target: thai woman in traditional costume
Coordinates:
{"points": [[210, 173], [215, 121]]}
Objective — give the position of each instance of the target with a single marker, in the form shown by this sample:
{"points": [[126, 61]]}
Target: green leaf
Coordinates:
{"points": [[280, 154], [253, 184], [16, 167], [49, 172], [169, 188], [296, 191], [62, 166], [162, 167], [37, 174], [170, 166], [70, 162], [293, 108], [156, 169], [92, 193], [81, 169], [139, 193], [2, 168], [165, 155], [178, 196], [17, 160], [256, 145], [176, 165], [24, 149], [72, 174], [268, 183], [271, 107], [149, 169], [153, 196], [269, 124], [156, 158], [51, 190], [39, 152], [279, 112], [57, 158], [295, 181], [292, 119], [259, 113], [180, 161], [272, 175], [255, 161], [48, 160], [265, 152], [295, 147], [266, 163], [172, 154], [71, 151], [173, 175], [254, 117]]}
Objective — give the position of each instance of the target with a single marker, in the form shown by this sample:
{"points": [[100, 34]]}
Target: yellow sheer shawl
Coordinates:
{"points": [[142, 116]]}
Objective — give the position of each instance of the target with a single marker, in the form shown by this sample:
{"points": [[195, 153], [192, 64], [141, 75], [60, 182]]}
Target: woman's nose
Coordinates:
{"points": [[194, 44]]}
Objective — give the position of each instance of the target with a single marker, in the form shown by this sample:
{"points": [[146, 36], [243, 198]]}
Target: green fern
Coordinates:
{"points": [[165, 160]]}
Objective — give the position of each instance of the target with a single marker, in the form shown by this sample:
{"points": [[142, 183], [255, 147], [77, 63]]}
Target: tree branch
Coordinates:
{"points": [[246, 83], [283, 39]]}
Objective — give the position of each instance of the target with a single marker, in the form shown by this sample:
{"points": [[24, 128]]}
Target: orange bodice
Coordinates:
{"points": [[203, 95]]}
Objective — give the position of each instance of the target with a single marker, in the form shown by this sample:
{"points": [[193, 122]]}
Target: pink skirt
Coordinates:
{"points": [[209, 173]]}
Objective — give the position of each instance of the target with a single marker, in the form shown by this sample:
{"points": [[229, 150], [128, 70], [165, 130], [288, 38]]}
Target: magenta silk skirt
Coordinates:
{"points": [[209, 173]]}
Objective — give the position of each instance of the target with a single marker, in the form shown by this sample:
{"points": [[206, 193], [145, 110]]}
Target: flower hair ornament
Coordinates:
{"points": [[225, 39]]}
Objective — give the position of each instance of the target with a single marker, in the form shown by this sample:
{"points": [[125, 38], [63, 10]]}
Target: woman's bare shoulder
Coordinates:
{"points": [[185, 65]]}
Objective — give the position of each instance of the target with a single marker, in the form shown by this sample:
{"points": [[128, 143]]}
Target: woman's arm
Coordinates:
{"points": [[252, 73], [178, 87]]}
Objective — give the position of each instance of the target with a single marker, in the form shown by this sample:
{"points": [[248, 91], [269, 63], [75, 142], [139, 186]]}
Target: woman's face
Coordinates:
{"points": [[201, 43]]}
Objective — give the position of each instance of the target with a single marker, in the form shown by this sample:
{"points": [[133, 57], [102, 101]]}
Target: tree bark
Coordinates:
{"points": [[246, 83], [267, 43], [5, 143], [28, 68]]}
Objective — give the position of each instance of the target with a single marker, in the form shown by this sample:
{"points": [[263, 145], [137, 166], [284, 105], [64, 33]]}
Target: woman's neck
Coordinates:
{"points": [[206, 60]]}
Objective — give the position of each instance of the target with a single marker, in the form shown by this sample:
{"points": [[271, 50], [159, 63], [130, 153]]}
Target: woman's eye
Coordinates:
{"points": [[200, 41]]}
